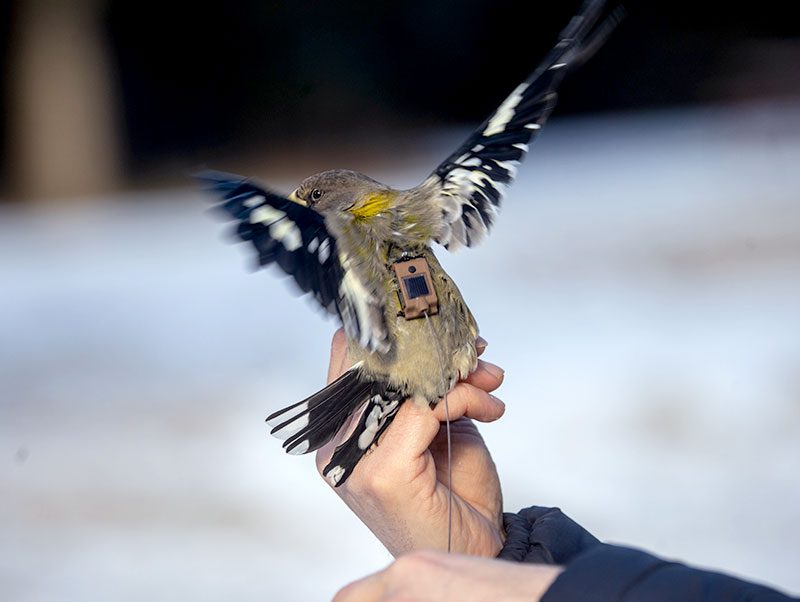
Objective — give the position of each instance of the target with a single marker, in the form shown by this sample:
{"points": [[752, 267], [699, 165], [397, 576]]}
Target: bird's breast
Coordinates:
{"points": [[428, 354]]}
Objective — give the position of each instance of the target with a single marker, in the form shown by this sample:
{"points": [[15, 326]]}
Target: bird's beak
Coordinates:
{"points": [[293, 197]]}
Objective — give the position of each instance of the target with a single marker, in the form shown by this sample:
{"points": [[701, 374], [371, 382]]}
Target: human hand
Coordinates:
{"points": [[435, 576], [400, 489]]}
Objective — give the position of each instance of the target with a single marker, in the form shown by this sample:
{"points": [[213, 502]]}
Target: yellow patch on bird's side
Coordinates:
{"points": [[372, 205]]}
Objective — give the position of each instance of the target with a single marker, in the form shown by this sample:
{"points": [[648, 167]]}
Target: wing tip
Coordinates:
{"points": [[219, 181]]}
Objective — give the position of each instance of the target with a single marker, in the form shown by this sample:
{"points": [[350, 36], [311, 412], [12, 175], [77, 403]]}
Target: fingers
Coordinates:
{"points": [[470, 401], [486, 376], [339, 362], [415, 426]]}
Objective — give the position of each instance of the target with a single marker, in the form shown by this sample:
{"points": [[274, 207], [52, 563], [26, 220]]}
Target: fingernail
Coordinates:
{"points": [[498, 401], [481, 343], [495, 371]]}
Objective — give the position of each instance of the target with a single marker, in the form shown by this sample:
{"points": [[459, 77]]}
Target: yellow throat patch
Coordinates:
{"points": [[372, 205]]}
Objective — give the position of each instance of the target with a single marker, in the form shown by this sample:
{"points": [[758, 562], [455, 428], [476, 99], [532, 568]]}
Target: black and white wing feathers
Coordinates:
{"points": [[470, 183], [295, 238]]}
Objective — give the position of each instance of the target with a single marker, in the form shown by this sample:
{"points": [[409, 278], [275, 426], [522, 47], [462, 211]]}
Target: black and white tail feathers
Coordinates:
{"points": [[309, 424]]}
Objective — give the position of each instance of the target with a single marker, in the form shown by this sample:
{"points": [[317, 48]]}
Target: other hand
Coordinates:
{"points": [[437, 576]]}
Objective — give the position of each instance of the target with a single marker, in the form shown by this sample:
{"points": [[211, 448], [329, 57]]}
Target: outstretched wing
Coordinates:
{"points": [[470, 183], [295, 238]]}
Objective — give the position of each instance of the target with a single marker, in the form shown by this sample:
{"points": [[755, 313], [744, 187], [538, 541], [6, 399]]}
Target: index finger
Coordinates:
{"points": [[486, 376], [339, 360], [480, 345]]}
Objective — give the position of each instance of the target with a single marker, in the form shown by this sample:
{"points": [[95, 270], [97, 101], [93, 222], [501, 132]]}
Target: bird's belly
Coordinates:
{"points": [[429, 354], [429, 363]]}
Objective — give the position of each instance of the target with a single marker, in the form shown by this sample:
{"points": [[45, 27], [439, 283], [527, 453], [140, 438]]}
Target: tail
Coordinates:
{"points": [[309, 424]]}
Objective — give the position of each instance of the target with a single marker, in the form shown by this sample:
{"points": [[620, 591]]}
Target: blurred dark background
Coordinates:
{"points": [[168, 86]]}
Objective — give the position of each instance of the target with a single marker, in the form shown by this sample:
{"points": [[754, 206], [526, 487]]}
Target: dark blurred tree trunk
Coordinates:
{"points": [[62, 132]]}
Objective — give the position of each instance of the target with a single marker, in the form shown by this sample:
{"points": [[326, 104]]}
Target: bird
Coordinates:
{"points": [[364, 251]]}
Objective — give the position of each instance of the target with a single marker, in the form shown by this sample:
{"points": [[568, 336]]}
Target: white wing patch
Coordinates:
{"points": [[361, 310], [265, 214], [281, 228], [505, 112], [468, 186], [382, 410], [294, 238], [474, 179], [324, 251], [334, 475], [288, 233]]}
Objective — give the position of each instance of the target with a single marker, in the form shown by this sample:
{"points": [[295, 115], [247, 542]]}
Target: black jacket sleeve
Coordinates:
{"points": [[598, 572]]}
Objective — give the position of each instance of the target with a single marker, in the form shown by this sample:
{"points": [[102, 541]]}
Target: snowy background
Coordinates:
{"points": [[641, 289]]}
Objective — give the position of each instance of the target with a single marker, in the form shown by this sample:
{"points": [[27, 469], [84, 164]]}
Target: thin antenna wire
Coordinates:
{"points": [[447, 429]]}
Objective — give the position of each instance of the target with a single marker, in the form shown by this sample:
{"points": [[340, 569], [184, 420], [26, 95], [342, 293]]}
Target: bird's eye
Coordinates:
{"points": [[316, 194]]}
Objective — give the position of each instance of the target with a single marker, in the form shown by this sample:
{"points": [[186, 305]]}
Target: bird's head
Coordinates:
{"points": [[344, 190]]}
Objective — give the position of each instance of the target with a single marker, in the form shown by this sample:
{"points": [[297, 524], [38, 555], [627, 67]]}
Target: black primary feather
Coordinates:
{"points": [[282, 232], [473, 179], [295, 238]]}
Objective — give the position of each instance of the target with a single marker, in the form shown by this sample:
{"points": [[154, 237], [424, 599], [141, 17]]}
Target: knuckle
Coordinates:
{"points": [[379, 484], [344, 594]]}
